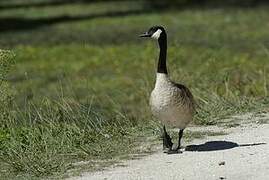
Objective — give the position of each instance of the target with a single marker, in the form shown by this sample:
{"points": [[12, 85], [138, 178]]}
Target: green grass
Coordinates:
{"points": [[80, 88]]}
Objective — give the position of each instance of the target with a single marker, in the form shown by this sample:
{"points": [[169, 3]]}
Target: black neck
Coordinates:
{"points": [[163, 51]]}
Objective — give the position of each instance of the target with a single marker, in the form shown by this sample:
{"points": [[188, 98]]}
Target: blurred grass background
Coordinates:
{"points": [[79, 88]]}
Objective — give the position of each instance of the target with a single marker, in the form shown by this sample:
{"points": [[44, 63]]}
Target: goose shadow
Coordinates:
{"points": [[217, 146]]}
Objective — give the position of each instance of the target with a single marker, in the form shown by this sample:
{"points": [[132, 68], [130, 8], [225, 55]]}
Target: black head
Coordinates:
{"points": [[154, 32]]}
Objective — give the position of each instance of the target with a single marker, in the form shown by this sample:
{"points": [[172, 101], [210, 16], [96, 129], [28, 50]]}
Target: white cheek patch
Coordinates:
{"points": [[157, 34]]}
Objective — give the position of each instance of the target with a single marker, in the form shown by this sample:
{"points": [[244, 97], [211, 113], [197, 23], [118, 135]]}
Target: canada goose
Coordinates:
{"points": [[171, 103]]}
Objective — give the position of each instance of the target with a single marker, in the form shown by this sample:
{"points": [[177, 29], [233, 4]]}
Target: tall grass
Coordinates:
{"points": [[48, 138], [6, 95]]}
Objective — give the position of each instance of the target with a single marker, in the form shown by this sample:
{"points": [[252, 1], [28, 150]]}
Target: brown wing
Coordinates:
{"points": [[186, 95]]}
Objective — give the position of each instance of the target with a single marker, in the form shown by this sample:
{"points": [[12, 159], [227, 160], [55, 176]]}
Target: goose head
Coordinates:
{"points": [[155, 32]]}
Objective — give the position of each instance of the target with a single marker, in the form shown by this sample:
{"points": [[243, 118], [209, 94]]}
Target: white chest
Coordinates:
{"points": [[163, 95], [166, 104]]}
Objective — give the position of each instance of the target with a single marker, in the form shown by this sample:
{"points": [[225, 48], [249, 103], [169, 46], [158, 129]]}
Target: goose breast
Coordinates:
{"points": [[171, 103]]}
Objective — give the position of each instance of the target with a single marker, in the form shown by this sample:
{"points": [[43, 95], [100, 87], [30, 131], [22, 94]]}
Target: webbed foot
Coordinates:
{"points": [[173, 151]]}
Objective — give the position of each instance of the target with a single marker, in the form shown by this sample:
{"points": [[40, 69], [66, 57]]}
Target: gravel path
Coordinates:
{"points": [[242, 154]]}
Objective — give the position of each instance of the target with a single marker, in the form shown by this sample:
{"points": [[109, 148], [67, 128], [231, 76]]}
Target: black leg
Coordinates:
{"points": [[167, 142], [180, 134]]}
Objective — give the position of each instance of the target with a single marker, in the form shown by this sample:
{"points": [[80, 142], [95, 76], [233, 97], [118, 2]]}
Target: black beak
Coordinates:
{"points": [[144, 35]]}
